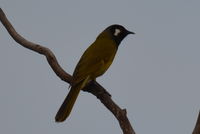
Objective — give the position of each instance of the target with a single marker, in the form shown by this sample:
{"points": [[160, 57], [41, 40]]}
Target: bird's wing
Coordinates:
{"points": [[95, 60]]}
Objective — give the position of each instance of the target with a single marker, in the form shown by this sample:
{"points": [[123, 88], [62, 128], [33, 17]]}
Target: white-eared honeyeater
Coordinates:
{"points": [[93, 63]]}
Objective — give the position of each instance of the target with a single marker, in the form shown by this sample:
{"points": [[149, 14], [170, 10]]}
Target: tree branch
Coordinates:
{"points": [[197, 126], [93, 87]]}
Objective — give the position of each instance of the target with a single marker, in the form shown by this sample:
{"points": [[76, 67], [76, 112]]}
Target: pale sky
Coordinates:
{"points": [[155, 75]]}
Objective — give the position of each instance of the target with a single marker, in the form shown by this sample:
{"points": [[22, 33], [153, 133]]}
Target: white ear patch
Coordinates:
{"points": [[117, 31]]}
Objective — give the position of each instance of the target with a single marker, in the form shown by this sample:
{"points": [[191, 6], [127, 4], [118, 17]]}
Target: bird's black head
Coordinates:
{"points": [[118, 33]]}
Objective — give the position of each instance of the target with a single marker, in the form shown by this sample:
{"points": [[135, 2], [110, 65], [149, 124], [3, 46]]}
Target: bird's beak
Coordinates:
{"points": [[129, 32]]}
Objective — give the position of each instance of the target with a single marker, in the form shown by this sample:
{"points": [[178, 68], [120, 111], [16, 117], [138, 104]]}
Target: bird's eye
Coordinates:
{"points": [[117, 31]]}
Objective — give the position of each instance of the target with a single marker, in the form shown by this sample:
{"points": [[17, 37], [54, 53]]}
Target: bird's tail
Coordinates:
{"points": [[68, 104], [69, 101]]}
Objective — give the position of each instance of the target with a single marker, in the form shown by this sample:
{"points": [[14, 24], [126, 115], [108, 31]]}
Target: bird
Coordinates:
{"points": [[94, 62]]}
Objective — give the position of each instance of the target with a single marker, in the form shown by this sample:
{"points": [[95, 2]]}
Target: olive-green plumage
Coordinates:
{"points": [[93, 63]]}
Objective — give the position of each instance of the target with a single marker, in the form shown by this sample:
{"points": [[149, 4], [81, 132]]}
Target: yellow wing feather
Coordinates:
{"points": [[91, 61]]}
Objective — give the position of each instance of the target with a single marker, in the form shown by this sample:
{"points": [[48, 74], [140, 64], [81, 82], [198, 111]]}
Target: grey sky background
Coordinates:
{"points": [[155, 75]]}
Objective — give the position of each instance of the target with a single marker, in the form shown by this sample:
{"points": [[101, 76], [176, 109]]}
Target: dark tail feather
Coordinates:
{"points": [[68, 104]]}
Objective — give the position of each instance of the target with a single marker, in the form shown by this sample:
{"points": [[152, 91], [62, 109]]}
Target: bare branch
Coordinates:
{"points": [[35, 47], [197, 126], [105, 98], [93, 87]]}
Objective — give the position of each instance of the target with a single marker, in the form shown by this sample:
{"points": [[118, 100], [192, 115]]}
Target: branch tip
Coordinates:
{"points": [[124, 111]]}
